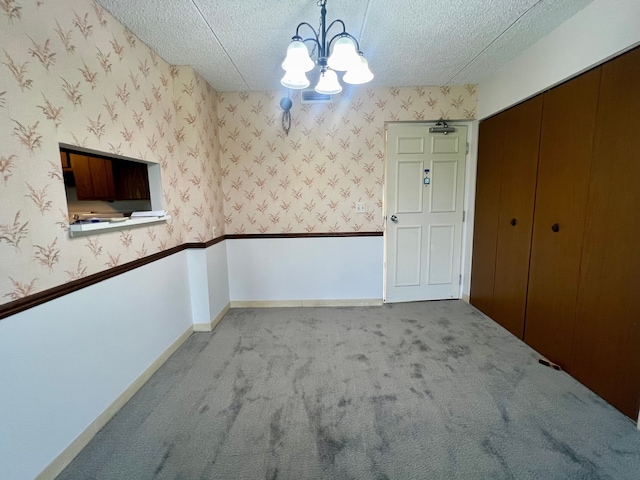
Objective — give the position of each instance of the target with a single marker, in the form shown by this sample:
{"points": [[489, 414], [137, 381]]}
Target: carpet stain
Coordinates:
{"points": [[380, 400], [272, 474], [163, 462], [488, 447], [276, 431], [448, 339], [504, 414], [421, 345], [416, 370], [443, 322], [359, 357], [328, 446], [571, 454], [458, 351]]}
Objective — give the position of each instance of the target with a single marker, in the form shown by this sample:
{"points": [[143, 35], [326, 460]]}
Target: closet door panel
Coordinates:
{"points": [[487, 210], [606, 346], [517, 194], [564, 164]]}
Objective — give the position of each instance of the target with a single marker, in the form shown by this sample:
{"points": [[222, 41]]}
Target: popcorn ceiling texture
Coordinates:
{"points": [[70, 73]]}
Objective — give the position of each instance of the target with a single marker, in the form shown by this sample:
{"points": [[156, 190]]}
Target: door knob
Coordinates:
{"points": [[556, 227], [394, 219], [513, 222]]}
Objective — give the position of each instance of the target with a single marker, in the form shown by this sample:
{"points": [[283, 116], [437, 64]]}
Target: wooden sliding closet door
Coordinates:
{"points": [[517, 194], [606, 346], [564, 165], [487, 210]]}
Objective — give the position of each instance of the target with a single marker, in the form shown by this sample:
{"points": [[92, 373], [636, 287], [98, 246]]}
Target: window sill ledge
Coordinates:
{"points": [[83, 229]]}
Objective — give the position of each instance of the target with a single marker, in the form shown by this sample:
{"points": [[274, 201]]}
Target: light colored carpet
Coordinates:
{"points": [[428, 390]]}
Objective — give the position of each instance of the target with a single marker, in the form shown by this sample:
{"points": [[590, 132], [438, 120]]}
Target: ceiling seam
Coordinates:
{"points": [[493, 41], [221, 45], [364, 19]]}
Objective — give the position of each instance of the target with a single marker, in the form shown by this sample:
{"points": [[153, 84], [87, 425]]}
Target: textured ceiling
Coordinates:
{"points": [[238, 45]]}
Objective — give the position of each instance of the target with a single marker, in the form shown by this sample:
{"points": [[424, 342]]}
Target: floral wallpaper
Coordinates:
{"points": [[310, 180], [70, 73]]}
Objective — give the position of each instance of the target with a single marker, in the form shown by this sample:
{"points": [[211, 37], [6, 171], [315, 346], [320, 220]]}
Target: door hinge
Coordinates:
{"points": [[467, 148], [464, 215], [460, 279]]}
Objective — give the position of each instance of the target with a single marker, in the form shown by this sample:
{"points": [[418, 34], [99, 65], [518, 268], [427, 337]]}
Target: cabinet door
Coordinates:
{"points": [[606, 346], [94, 177], [564, 165], [132, 181], [487, 210], [64, 160], [517, 194]]}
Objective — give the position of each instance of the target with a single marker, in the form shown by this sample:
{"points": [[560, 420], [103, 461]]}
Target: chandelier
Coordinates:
{"points": [[344, 57]]}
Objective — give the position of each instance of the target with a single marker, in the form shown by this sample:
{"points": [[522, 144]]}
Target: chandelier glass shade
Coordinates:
{"points": [[341, 53]]}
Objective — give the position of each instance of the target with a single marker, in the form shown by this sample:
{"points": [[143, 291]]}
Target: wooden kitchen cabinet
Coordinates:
{"points": [[131, 179], [99, 178], [93, 177], [64, 160]]}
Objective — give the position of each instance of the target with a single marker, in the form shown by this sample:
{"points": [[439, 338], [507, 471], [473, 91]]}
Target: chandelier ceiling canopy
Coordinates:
{"points": [[338, 53]]}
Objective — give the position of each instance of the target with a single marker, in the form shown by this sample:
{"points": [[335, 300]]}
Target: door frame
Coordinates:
{"points": [[468, 202]]}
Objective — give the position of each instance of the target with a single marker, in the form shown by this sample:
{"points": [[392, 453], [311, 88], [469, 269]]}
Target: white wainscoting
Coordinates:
{"points": [[68, 365], [209, 279], [303, 269]]}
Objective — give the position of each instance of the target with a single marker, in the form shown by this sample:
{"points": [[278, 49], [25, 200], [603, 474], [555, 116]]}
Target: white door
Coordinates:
{"points": [[424, 209]]}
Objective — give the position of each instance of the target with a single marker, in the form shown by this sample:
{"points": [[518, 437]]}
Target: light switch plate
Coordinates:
{"points": [[361, 207]]}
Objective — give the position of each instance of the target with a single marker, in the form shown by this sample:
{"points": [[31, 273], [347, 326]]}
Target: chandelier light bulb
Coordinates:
{"points": [[360, 73], [295, 79], [298, 57], [328, 83], [344, 54]]}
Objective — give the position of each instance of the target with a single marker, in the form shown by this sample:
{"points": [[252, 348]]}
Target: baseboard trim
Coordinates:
{"points": [[208, 327], [367, 302], [69, 453], [465, 298]]}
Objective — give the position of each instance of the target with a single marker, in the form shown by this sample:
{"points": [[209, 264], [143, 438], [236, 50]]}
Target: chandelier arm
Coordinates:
{"points": [[315, 34], [344, 27]]}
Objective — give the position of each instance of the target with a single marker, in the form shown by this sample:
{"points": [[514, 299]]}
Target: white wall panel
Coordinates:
{"points": [[329, 268], [217, 278], [209, 281], [64, 362], [198, 285]]}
